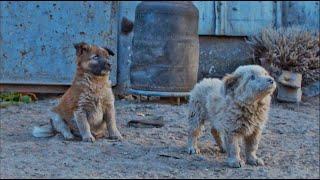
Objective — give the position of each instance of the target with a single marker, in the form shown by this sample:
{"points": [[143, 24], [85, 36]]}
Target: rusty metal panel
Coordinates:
{"points": [[127, 10], [206, 14], [37, 38], [222, 54], [241, 18], [165, 47]]}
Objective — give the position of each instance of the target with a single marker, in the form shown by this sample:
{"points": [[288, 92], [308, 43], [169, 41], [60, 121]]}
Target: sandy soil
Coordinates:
{"points": [[290, 146]]}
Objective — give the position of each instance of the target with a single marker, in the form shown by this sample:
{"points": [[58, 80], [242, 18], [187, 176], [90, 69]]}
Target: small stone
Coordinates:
{"points": [[144, 98], [141, 114]]}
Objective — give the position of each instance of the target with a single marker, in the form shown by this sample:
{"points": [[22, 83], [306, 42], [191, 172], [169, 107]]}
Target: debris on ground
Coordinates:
{"points": [[149, 122]]}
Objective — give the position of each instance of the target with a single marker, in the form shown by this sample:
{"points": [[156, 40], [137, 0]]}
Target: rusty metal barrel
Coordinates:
{"points": [[165, 48]]}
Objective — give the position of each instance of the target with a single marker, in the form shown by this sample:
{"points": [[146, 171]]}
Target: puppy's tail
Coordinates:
{"points": [[43, 131]]}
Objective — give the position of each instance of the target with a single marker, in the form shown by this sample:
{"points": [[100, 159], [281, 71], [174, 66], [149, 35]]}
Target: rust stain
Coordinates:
{"points": [[23, 53], [5, 56]]}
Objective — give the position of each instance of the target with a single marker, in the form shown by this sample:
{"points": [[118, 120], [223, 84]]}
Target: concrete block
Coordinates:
{"points": [[288, 94], [290, 79]]}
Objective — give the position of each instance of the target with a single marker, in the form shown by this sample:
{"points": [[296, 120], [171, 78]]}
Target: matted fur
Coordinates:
{"points": [[87, 107], [237, 108]]}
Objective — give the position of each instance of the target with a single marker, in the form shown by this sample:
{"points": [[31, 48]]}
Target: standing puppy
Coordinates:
{"points": [[87, 107], [237, 108]]}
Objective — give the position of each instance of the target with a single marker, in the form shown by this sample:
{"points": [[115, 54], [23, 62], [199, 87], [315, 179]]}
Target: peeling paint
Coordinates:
{"points": [[37, 39]]}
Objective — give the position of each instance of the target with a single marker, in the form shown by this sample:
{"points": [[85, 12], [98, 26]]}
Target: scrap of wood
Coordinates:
{"points": [[170, 156], [148, 122]]}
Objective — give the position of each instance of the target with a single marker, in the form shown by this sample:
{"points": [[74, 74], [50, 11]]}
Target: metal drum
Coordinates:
{"points": [[165, 48]]}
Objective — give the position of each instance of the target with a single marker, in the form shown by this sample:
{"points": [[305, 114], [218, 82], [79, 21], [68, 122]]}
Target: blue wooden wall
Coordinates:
{"points": [[36, 38]]}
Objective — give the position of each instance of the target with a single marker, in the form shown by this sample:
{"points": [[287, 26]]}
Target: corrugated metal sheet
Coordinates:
{"points": [[37, 38]]}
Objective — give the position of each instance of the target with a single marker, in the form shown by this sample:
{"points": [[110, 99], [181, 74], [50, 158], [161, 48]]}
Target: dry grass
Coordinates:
{"points": [[295, 49]]}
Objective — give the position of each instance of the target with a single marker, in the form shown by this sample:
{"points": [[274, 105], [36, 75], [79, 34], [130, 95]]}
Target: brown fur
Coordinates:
{"points": [[87, 107]]}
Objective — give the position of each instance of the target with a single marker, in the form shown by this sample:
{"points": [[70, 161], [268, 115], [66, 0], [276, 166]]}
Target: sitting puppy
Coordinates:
{"points": [[87, 107], [237, 108]]}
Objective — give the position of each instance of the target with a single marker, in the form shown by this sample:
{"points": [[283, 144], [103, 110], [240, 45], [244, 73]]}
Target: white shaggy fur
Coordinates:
{"points": [[45, 131], [237, 108]]}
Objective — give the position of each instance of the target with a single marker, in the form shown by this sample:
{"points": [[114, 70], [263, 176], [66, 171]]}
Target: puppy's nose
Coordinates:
{"points": [[269, 80], [108, 64]]}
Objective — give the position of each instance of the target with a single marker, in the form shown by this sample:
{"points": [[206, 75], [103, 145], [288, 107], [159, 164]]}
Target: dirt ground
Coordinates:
{"points": [[289, 147]]}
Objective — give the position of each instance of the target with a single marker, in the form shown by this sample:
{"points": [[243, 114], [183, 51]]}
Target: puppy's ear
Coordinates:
{"points": [[109, 51], [230, 82], [81, 48]]}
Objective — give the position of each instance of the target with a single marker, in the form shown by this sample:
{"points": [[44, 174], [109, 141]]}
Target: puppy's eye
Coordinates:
{"points": [[95, 56], [252, 77]]}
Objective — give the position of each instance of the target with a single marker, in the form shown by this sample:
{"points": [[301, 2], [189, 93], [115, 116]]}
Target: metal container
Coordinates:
{"points": [[165, 48]]}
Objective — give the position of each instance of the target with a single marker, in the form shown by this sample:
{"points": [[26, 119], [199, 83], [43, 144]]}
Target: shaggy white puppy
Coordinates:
{"points": [[237, 108]]}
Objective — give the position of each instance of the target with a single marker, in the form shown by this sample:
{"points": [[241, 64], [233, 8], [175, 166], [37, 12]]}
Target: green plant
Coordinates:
{"points": [[14, 98]]}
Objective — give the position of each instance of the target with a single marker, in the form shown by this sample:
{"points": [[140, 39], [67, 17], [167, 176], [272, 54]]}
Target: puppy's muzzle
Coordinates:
{"points": [[101, 68], [105, 67]]}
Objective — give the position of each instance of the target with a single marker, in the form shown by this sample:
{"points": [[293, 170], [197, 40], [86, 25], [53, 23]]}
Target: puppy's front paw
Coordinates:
{"points": [[115, 135], [234, 163], [69, 137], [193, 150], [88, 138], [255, 161]]}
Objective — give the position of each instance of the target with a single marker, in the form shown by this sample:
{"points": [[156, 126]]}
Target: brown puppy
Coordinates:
{"points": [[87, 108]]}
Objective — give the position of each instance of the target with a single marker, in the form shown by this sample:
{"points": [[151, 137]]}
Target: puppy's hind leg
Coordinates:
{"points": [[195, 126], [60, 126], [219, 137]]}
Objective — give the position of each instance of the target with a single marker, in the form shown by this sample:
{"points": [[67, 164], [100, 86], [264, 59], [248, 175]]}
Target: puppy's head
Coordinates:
{"points": [[93, 59], [249, 84]]}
